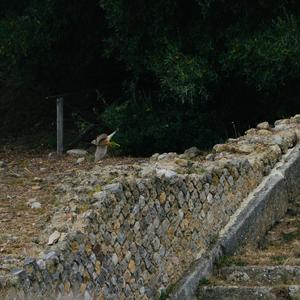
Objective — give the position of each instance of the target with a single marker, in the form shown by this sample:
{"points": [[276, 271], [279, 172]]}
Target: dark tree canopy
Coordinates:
{"points": [[172, 73]]}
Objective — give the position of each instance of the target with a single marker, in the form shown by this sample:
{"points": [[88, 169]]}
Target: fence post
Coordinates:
{"points": [[60, 125]]}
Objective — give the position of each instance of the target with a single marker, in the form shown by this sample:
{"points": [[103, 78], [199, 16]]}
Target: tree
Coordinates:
{"points": [[188, 49], [211, 58], [49, 47]]}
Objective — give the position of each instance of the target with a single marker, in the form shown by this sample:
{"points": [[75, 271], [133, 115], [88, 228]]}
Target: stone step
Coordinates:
{"points": [[259, 275], [291, 292]]}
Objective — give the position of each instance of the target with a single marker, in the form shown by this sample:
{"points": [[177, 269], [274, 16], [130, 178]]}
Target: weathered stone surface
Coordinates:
{"points": [[54, 237], [77, 152], [253, 282], [182, 162], [192, 152], [80, 160], [257, 275], [263, 125], [166, 173], [131, 266], [101, 197], [115, 259], [36, 205], [249, 293], [114, 188]]}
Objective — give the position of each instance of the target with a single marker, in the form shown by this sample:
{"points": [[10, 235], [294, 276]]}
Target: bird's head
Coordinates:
{"points": [[103, 139]]}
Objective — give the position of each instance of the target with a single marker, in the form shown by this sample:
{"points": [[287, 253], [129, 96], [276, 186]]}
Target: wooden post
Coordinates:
{"points": [[60, 125]]}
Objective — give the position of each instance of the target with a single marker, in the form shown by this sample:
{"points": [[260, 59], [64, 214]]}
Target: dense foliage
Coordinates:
{"points": [[171, 74], [49, 47]]}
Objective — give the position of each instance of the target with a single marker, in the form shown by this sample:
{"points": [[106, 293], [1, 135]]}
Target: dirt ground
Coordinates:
{"points": [[31, 176]]}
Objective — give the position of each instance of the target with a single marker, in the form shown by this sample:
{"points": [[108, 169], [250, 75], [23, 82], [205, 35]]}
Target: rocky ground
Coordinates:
{"points": [[30, 198]]}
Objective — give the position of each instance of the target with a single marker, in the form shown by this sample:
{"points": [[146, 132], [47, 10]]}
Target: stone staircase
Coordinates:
{"points": [[252, 282], [271, 271]]}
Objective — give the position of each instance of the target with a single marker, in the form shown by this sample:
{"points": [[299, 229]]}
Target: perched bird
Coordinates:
{"points": [[102, 142]]}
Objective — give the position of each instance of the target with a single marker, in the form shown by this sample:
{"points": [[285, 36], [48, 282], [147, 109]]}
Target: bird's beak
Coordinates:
{"points": [[109, 137], [94, 142]]}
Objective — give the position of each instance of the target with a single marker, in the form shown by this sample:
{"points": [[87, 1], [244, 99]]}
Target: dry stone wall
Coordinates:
{"points": [[136, 236]]}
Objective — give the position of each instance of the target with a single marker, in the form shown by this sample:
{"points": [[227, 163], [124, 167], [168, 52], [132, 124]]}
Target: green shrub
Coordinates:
{"points": [[145, 128]]}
